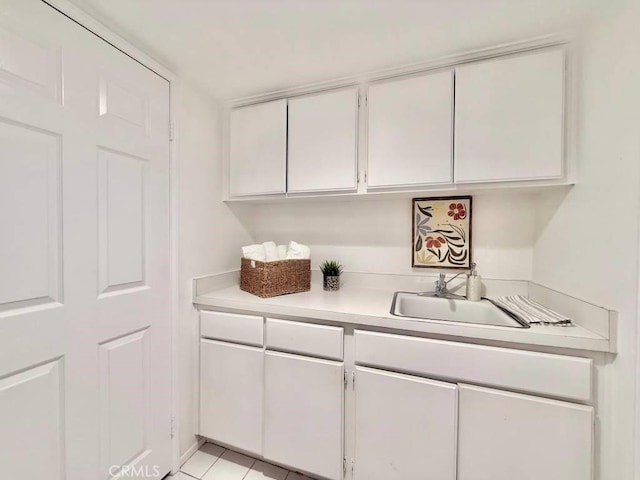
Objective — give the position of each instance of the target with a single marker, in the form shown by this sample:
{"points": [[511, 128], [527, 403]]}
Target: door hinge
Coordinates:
{"points": [[344, 466], [173, 426], [170, 131], [353, 466], [358, 100], [353, 379], [346, 380]]}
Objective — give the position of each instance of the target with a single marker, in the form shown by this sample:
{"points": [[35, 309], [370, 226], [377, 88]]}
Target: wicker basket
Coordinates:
{"points": [[270, 279]]}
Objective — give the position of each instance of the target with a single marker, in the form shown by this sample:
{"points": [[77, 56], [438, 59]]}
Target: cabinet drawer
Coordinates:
{"points": [[232, 327], [305, 338], [540, 373]]}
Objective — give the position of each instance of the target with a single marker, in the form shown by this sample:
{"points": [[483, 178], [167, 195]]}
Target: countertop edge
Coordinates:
{"points": [[458, 331]]}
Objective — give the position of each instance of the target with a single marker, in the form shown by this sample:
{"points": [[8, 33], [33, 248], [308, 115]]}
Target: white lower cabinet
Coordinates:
{"points": [[504, 436], [303, 413], [231, 387], [289, 408], [405, 427]]}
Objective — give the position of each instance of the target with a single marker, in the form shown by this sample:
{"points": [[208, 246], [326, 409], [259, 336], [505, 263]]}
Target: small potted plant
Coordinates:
{"points": [[331, 271]]}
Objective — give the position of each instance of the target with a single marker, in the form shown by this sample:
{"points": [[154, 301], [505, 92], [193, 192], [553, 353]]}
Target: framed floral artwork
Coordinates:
{"points": [[441, 232]]}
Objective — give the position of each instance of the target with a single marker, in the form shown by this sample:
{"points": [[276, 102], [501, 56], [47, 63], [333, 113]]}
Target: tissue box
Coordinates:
{"points": [[270, 279]]}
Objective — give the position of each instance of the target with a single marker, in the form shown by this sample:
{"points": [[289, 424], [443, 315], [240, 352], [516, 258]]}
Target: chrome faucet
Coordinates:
{"points": [[441, 283]]}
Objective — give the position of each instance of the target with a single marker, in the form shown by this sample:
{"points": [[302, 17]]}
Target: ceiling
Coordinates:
{"points": [[236, 48]]}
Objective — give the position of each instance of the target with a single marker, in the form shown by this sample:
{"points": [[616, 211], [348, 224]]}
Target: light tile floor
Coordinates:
{"points": [[212, 462]]}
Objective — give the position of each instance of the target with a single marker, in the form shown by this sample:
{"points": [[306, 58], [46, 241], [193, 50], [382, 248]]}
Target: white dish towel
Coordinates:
{"points": [[532, 312]]}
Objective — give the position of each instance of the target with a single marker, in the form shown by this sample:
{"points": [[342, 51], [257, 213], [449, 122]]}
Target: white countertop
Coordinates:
{"points": [[369, 306]]}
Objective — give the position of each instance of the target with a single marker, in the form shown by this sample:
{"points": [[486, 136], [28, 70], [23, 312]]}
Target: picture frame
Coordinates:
{"points": [[442, 232]]}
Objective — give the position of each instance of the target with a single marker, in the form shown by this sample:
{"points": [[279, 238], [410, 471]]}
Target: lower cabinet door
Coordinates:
{"points": [[303, 413], [507, 436], [405, 427], [231, 386]]}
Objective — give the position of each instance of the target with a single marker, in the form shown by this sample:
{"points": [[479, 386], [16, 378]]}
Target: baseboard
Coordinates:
{"points": [[191, 450]]}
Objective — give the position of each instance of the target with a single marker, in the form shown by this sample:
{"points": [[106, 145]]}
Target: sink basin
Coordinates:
{"points": [[430, 307]]}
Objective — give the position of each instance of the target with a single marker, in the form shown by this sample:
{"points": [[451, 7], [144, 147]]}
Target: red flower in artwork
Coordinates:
{"points": [[457, 211], [434, 242]]}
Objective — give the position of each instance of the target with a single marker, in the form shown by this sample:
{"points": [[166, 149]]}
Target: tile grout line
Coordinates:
{"points": [[216, 461], [250, 468], [191, 476], [225, 450]]}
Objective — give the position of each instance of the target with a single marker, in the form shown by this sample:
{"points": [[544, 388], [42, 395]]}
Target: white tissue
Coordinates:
{"points": [[282, 252], [271, 251], [254, 252], [298, 251]]}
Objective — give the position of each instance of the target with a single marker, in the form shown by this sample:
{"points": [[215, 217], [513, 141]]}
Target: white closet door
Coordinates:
{"points": [[509, 118], [85, 298], [504, 435], [258, 149], [322, 142], [303, 413], [410, 131], [231, 383], [405, 427]]}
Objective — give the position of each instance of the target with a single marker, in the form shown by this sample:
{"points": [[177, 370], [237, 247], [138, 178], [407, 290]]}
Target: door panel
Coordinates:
{"points": [[509, 118], [84, 193], [122, 103], [322, 142], [31, 215], [411, 131], [231, 382], [121, 220], [405, 427], [32, 435], [27, 65], [258, 149], [303, 413], [124, 400], [505, 435]]}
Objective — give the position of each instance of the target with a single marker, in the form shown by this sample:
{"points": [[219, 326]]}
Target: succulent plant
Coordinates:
{"points": [[331, 268]]}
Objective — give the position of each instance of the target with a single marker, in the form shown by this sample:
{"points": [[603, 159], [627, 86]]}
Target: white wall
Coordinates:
{"points": [[375, 235], [210, 235], [587, 241]]}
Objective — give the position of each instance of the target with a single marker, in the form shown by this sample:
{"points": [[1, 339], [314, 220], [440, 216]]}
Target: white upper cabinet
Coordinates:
{"points": [[258, 149], [323, 142], [509, 118], [410, 131], [500, 119]]}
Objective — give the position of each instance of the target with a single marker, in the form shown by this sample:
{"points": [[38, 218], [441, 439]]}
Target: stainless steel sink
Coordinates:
{"points": [[430, 307]]}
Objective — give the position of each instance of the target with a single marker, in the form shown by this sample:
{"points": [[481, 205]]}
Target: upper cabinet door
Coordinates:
{"points": [[509, 118], [258, 149], [410, 131], [323, 142]]}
